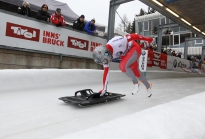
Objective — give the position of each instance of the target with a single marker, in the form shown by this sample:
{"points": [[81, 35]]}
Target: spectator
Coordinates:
{"points": [[43, 14], [173, 53], [162, 49], [179, 55], [79, 23], [25, 9], [195, 59], [149, 48], [105, 35], [169, 52], [57, 19], [144, 45], [165, 51], [90, 27], [199, 61], [154, 47], [192, 58], [194, 66]]}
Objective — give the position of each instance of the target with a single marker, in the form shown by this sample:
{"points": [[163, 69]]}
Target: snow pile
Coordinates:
{"points": [[180, 119]]}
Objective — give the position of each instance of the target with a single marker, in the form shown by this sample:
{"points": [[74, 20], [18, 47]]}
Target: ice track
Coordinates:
{"points": [[30, 109]]}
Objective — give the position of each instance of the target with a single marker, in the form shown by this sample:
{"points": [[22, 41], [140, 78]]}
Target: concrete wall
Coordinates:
{"points": [[15, 59]]}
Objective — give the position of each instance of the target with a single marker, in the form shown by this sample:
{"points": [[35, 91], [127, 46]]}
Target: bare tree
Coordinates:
{"points": [[123, 24]]}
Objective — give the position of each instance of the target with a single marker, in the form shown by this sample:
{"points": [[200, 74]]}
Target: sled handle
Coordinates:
{"points": [[84, 92]]}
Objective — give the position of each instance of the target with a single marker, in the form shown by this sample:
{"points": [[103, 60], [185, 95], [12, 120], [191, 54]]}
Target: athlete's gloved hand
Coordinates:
{"points": [[102, 92], [59, 24]]}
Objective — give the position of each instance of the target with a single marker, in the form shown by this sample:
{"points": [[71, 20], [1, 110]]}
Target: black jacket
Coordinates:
{"points": [[42, 15], [179, 55], [78, 25], [24, 11]]}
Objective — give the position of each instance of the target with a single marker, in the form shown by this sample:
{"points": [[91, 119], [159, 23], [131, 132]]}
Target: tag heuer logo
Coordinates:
{"points": [[143, 53]]}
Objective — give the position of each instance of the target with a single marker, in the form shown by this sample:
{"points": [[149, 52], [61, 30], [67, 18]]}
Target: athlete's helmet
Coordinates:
{"points": [[101, 55]]}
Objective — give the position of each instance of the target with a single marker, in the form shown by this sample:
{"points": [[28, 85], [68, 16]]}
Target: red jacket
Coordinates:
{"points": [[57, 19]]}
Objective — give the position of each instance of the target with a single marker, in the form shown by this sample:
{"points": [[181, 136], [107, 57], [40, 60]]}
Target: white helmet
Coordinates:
{"points": [[101, 55]]}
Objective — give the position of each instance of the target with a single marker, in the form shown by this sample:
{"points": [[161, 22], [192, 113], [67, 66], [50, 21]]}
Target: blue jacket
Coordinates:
{"points": [[89, 28]]}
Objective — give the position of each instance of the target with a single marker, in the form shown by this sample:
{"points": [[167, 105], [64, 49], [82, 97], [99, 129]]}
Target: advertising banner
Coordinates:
{"points": [[163, 61], [143, 61], [203, 68], [150, 58], [52, 38], [169, 62], [179, 63], [77, 43], [29, 34], [22, 32], [156, 59]]}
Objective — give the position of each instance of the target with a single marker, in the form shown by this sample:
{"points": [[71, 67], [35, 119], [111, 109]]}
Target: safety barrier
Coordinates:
{"points": [[18, 80]]}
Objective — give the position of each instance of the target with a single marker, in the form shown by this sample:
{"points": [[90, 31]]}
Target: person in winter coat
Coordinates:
{"points": [[43, 14], [57, 19], [90, 27], [79, 23], [25, 9]]}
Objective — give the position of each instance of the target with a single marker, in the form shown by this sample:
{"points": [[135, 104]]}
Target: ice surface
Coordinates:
{"points": [[180, 119], [30, 109]]}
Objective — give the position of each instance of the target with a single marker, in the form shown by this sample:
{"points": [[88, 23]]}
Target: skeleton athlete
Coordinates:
{"points": [[129, 51]]}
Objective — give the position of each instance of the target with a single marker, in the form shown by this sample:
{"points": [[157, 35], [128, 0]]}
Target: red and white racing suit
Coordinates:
{"points": [[129, 51]]}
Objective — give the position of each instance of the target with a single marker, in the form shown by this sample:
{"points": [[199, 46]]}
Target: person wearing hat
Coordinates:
{"points": [[57, 19], [90, 27], [79, 23], [43, 13]]}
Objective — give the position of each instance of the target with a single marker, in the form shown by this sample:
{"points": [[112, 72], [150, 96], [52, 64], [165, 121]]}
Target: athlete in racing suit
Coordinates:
{"points": [[129, 51]]}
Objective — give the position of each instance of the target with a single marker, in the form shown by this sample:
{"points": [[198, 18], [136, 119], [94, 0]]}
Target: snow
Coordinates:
{"points": [[29, 106]]}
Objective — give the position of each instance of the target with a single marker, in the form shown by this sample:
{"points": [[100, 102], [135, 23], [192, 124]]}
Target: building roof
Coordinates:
{"points": [[149, 17], [187, 13]]}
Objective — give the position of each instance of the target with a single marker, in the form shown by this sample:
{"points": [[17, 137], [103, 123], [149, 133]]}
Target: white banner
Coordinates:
{"points": [[179, 63], [202, 66], [24, 33], [169, 62], [143, 61]]}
